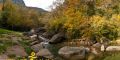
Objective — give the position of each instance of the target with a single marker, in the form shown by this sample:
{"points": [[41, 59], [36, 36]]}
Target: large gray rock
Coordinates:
{"points": [[57, 38], [73, 53], [45, 53]]}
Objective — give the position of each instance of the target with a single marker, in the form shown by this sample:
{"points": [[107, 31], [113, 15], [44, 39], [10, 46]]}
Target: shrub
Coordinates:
{"points": [[87, 19], [104, 28], [114, 56]]}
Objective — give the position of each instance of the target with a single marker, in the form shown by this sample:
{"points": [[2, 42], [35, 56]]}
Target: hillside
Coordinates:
{"points": [[19, 2], [37, 9]]}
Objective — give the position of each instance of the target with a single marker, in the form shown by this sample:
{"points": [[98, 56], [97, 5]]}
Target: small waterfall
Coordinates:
{"points": [[52, 48], [45, 42], [44, 39]]}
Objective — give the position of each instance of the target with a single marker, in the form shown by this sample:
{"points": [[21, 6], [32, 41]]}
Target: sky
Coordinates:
{"points": [[44, 4]]}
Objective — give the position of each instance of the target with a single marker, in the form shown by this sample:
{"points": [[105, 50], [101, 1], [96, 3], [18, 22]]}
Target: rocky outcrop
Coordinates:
{"points": [[73, 53]]}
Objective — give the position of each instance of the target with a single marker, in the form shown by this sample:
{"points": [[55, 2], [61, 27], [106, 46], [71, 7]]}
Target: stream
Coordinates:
{"points": [[53, 48]]}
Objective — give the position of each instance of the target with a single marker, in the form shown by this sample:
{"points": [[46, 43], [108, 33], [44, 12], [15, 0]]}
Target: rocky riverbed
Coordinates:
{"points": [[19, 46]]}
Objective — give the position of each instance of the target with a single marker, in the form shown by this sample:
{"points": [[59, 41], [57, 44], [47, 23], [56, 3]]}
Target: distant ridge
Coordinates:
{"points": [[18, 2], [21, 3], [38, 9]]}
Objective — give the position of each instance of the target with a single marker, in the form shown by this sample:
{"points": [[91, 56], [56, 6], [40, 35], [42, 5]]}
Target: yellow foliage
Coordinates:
{"points": [[81, 21]]}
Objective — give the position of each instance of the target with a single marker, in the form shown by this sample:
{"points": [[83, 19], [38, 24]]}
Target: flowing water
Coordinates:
{"points": [[53, 48]]}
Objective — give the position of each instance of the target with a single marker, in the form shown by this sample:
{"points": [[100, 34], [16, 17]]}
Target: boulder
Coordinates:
{"points": [[39, 30], [16, 50], [95, 48], [45, 53], [113, 48], [57, 38], [37, 47], [76, 53], [97, 45], [37, 37], [4, 57], [48, 35], [33, 36]]}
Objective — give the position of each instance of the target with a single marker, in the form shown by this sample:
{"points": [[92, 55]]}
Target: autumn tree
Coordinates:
{"points": [[76, 18], [19, 18]]}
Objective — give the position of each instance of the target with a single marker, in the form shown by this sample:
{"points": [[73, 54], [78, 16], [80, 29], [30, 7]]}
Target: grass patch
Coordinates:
{"points": [[4, 45], [26, 46], [114, 56], [108, 56], [4, 31]]}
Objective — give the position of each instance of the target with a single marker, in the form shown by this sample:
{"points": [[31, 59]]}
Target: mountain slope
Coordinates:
{"points": [[19, 2], [37, 9]]}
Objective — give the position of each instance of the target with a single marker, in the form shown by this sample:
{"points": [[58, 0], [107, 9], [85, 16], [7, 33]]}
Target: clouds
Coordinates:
{"points": [[39, 3]]}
